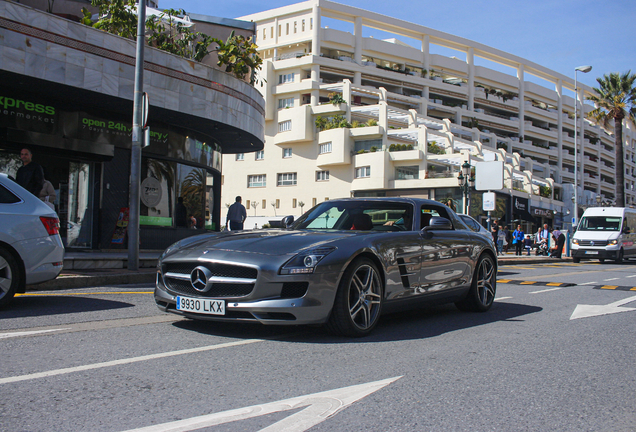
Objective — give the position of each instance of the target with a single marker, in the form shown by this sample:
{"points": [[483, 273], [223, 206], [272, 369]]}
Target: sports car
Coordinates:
{"points": [[342, 264]]}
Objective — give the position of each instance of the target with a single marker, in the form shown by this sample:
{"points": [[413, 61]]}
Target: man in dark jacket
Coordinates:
{"points": [[30, 175]]}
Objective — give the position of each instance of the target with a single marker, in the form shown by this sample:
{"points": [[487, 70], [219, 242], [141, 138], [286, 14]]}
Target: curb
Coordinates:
{"points": [[71, 281]]}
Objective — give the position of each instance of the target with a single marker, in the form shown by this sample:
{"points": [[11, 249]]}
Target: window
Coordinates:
{"points": [[277, 203], [407, 172], [363, 172], [287, 153], [294, 202], [260, 155], [264, 204], [247, 204], [284, 126], [240, 156], [286, 29], [264, 33], [311, 23], [286, 78], [256, 181], [295, 27], [367, 145], [285, 103], [303, 25], [6, 197], [314, 201], [280, 27], [286, 179], [322, 175], [271, 33], [324, 148]]}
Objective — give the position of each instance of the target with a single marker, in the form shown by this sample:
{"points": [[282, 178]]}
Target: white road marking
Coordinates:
{"points": [[588, 283], [611, 279], [502, 298], [30, 333], [545, 290], [586, 311], [631, 276], [64, 371], [319, 407]]}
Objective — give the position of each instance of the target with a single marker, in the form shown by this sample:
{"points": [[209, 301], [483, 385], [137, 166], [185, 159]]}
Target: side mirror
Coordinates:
{"points": [[287, 221], [438, 223]]}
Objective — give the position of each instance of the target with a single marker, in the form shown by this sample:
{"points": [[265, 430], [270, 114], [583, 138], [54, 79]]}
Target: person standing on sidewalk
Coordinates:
{"points": [[517, 240], [501, 238], [236, 215], [508, 241], [30, 175]]}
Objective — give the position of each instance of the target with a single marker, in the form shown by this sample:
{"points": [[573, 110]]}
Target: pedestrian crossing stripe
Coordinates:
{"points": [[535, 283]]}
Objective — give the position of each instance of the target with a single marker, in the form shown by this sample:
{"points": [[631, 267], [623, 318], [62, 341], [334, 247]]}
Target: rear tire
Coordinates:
{"points": [[10, 278], [482, 289], [358, 304]]}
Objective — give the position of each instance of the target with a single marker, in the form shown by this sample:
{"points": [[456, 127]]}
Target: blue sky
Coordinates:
{"points": [[557, 34]]}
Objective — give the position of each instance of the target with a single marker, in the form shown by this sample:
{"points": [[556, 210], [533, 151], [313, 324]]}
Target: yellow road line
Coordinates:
{"points": [[85, 293], [503, 280]]}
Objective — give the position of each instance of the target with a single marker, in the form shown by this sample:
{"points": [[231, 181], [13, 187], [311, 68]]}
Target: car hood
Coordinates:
{"points": [[272, 242]]}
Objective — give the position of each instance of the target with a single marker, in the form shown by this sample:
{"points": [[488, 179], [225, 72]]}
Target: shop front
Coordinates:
{"points": [[82, 140]]}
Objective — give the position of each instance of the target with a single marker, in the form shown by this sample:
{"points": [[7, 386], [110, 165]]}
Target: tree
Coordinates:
{"points": [[173, 36], [254, 205], [301, 205], [273, 204], [117, 17], [615, 99], [239, 56]]}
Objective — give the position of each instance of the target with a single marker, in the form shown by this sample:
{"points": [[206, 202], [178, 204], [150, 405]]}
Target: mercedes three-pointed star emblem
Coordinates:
{"points": [[199, 278]]}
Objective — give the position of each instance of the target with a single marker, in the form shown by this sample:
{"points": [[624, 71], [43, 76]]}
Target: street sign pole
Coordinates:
{"points": [[137, 142]]}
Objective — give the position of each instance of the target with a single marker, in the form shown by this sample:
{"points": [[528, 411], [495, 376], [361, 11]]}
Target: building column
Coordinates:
{"points": [[383, 122], [357, 50], [315, 32], [470, 59], [346, 95], [522, 102], [426, 61], [559, 91]]}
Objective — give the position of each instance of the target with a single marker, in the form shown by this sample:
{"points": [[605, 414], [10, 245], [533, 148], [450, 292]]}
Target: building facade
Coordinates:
{"points": [[66, 93], [353, 115]]}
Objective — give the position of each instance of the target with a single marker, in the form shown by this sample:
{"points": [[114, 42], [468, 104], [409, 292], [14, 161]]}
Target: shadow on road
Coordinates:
{"points": [[415, 324], [30, 306]]}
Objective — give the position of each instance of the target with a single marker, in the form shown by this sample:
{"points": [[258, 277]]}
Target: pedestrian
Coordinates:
{"points": [[48, 195], [193, 222], [181, 213], [501, 238], [494, 230], [517, 240], [543, 236], [236, 215], [559, 241], [508, 240], [528, 243], [30, 175]]}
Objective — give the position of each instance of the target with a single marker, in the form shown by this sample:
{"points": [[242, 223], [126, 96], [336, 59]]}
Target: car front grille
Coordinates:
{"points": [[176, 277], [592, 242]]}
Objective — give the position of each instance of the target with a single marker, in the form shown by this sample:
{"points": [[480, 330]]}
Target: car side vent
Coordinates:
{"points": [[294, 289]]}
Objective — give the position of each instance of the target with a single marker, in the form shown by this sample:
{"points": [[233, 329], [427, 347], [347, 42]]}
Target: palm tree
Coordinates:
{"points": [[615, 100]]}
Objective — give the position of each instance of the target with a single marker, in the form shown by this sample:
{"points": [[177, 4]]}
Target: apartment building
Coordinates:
{"points": [[354, 115]]}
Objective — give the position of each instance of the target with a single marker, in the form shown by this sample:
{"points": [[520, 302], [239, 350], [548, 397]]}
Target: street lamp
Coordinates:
{"points": [[584, 69], [598, 200], [466, 181]]}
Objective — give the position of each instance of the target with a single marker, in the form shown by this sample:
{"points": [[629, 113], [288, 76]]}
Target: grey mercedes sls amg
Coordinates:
{"points": [[342, 264]]}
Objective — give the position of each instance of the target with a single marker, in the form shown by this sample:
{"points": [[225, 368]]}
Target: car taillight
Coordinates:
{"points": [[52, 224]]}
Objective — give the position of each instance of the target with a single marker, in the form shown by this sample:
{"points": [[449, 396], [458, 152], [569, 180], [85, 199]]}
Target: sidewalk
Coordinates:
{"points": [[92, 269]]}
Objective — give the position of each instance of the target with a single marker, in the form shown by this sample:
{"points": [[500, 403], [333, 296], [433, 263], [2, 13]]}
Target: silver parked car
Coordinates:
{"points": [[343, 263], [31, 249]]}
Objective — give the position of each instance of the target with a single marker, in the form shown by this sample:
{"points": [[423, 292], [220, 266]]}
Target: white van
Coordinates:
{"points": [[605, 233]]}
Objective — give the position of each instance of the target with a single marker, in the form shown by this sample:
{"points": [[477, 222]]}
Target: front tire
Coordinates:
{"points": [[482, 289], [358, 302], [619, 257], [10, 277], [576, 260]]}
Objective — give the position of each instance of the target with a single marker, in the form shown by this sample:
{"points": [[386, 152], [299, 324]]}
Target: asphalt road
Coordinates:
{"points": [[106, 359]]}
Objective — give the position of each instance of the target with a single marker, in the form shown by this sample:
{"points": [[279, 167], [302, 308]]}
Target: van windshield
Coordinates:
{"points": [[600, 223]]}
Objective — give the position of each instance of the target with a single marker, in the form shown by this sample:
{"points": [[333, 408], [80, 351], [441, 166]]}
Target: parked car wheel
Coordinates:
{"points": [[358, 302], [576, 260], [9, 276], [483, 288]]}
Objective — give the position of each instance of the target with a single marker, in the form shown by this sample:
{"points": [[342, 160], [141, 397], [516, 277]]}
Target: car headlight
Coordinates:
{"points": [[575, 241], [612, 242], [306, 261]]}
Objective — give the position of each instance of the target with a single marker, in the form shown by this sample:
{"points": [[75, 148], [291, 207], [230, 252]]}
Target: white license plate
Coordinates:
{"points": [[202, 306], [591, 252]]}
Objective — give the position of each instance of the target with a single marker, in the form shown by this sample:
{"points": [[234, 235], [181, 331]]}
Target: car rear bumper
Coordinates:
{"points": [[43, 258]]}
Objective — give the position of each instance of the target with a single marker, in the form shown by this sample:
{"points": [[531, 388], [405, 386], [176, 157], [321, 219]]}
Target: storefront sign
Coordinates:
{"points": [[542, 212], [151, 192]]}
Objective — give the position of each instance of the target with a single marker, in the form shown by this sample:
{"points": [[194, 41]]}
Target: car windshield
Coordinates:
{"points": [[359, 216], [600, 223]]}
